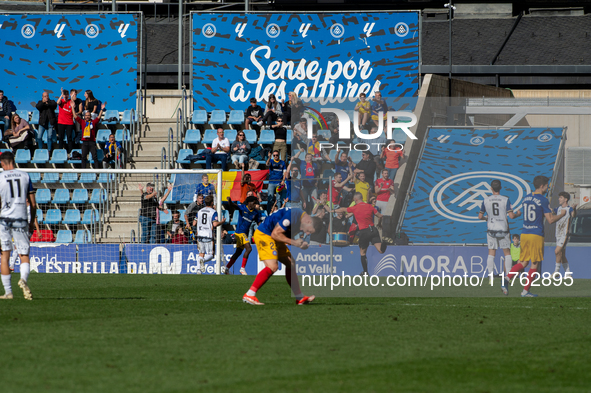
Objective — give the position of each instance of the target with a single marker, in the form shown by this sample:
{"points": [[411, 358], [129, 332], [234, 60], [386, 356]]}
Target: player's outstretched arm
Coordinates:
{"points": [[513, 215], [552, 218]]}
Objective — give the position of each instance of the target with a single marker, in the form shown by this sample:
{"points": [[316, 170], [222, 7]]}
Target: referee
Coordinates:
{"points": [[364, 214]]}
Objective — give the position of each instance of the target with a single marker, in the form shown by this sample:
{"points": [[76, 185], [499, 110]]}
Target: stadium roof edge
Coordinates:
{"points": [[507, 69]]}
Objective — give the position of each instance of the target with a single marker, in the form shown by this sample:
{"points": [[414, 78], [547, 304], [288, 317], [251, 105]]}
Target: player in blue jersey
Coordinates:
{"points": [[271, 239], [535, 208], [248, 213]]}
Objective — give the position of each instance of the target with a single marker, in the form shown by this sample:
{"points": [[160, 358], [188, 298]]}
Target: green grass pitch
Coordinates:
{"points": [[111, 333]]}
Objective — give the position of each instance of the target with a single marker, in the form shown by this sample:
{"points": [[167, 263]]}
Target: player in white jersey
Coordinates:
{"points": [[562, 228], [15, 189], [497, 207], [207, 221]]}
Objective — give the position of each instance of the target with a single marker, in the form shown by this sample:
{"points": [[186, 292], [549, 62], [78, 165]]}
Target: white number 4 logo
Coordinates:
{"points": [[59, 29], [122, 29]]}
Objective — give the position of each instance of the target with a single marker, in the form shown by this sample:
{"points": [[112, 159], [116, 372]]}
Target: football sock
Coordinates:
{"points": [[244, 260], [208, 257], [557, 269], [25, 269], [295, 285], [490, 264], [232, 260], [364, 263], [565, 266], [516, 269], [260, 280], [529, 279], [508, 264], [6, 283]]}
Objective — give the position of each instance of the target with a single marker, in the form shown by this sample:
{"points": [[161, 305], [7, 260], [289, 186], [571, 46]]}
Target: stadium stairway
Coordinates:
{"points": [[147, 151]]}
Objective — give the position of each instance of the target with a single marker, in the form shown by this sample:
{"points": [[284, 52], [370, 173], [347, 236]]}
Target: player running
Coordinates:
{"points": [[562, 229], [207, 221], [497, 207], [364, 215], [15, 190], [248, 214], [271, 239], [535, 208]]}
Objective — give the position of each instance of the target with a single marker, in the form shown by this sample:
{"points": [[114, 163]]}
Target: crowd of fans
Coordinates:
{"points": [[73, 127]]}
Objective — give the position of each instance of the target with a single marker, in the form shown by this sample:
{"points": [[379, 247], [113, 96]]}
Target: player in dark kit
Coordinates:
{"points": [[248, 215], [364, 214], [271, 239]]}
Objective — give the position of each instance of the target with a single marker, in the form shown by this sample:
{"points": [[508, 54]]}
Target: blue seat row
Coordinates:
{"points": [[65, 236], [72, 216], [218, 116], [59, 156], [71, 177], [267, 137], [125, 118], [62, 196]]}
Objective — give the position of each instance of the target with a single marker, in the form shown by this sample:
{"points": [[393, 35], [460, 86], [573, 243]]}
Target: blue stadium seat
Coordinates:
{"points": [[82, 236], [90, 216], [61, 196], [399, 136], [165, 217], [23, 114], [110, 114], [35, 177], [39, 216], [324, 133], [98, 196], [51, 177], [182, 212], [87, 177], [235, 218], [355, 156], [120, 134], [59, 156], [102, 136], [100, 154], [70, 161], [34, 117], [169, 199], [80, 195], [72, 217], [3, 150], [53, 216], [105, 178], [333, 154], [41, 156], [218, 116], [267, 137], [236, 117], [69, 177], [126, 117], [200, 161], [231, 135], [289, 136], [183, 153], [199, 117], [64, 236], [43, 195], [226, 215], [209, 136], [251, 136], [192, 137], [23, 156]]}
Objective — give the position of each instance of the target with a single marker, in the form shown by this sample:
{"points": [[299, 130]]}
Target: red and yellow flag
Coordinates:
{"points": [[231, 183]]}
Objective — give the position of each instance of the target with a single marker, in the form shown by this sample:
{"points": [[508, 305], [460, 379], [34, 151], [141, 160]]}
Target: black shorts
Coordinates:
{"points": [[369, 236]]}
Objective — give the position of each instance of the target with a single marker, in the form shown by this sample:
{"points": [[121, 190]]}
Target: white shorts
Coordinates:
{"points": [[382, 205], [561, 241], [17, 230], [205, 247], [494, 243]]}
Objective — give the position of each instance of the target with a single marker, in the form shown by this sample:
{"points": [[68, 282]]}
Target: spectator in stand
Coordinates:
{"points": [[5, 110], [227, 238], [65, 121], [272, 110], [367, 166], [277, 169], [362, 187], [364, 109], [246, 186], [322, 203], [300, 134], [91, 104], [89, 128], [179, 237], [280, 144], [160, 233], [77, 107], [254, 114], [297, 107], [342, 163], [204, 188], [315, 150], [320, 237], [240, 150], [47, 120], [113, 153], [148, 213], [219, 151], [310, 171], [340, 191], [20, 133], [375, 147], [392, 153], [192, 210], [378, 105], [384, 188], [173, 225], [286, 111]]}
